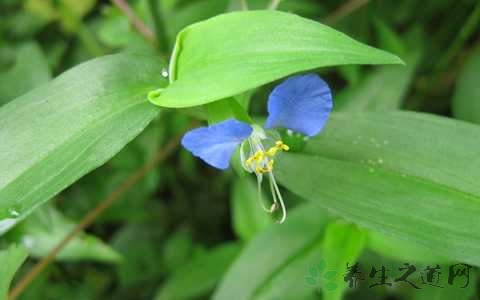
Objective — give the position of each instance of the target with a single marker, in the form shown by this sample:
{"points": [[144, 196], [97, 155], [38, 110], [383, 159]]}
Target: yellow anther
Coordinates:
{"points": [[258, 157], [281, 145], [266, 169]]}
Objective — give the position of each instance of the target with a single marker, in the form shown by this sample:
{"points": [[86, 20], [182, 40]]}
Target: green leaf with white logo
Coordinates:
{"points": [[62, 130], [408, 175], [210, 62]]}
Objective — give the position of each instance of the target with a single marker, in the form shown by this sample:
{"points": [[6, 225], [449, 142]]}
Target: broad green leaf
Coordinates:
{"points": [[10, 259], [55, 134], [199, 275], [275, 263], [30, 70], [248, 217], [402, 250], [232, 53], [411, 176], [343, 243], [45, 228], [466, 100]]}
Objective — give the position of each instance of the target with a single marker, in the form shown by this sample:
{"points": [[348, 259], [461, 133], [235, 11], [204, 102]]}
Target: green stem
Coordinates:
{"points": [[468, 28], [159, 23]]}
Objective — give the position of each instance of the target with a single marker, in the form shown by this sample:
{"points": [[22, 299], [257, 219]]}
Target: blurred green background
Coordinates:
{"points": [[176, 233]]}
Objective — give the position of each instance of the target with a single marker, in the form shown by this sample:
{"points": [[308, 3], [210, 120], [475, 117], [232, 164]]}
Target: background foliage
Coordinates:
{"points": [[392, 179]]}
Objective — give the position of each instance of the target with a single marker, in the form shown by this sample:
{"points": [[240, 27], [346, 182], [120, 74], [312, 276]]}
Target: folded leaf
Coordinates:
{"points": [[276, 261], [343, 243], [411, 176], [10, 259], [232, 53], [55, 134]]}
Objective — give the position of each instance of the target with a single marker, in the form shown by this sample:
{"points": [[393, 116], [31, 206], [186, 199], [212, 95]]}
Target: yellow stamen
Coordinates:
{"points": [[262, 158], [281, 145]]}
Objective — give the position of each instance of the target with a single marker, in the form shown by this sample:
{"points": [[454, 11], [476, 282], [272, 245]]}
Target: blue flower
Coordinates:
{"points": [[301, 104]]}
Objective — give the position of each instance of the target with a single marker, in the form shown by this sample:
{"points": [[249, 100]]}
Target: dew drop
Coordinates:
{"points": [[13, 213], [28, 241], [165, 72], [380, 161]]}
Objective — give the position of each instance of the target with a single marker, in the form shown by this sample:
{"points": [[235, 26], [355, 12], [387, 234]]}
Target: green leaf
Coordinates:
{"points": [[343, 243], [10, 259], [411, 176], [199, 275], [329, 275], [30, 70], [310, 280], [322, 264], [313, 271], [401, 250], [383, 89], [238, 51], [449, 292], [330, 286], [247, 216], [280, 257], [466, 104], [225, 109], [45, 228], [55, 134]]}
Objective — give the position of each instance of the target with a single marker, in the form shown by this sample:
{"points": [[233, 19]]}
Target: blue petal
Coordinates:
{"points": [[300, 103], [215, 144]]}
